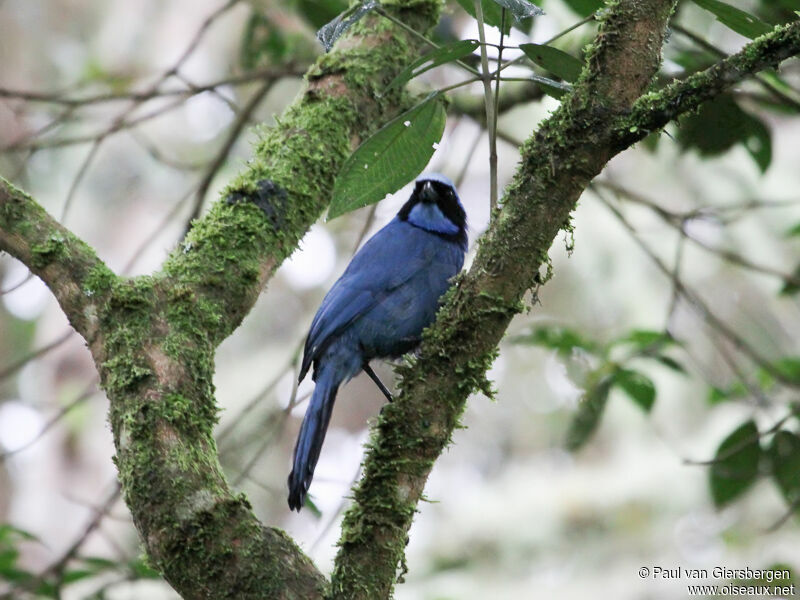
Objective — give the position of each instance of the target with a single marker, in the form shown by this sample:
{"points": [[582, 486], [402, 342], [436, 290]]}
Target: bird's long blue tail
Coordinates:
{"points": [[311, 436]]}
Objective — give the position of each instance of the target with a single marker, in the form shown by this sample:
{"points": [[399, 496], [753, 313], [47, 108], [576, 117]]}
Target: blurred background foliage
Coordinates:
{"points": [[647, 404]]}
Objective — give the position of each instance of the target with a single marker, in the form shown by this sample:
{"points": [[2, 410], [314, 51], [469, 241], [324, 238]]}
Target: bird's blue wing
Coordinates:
{"points": [[389, 259]]}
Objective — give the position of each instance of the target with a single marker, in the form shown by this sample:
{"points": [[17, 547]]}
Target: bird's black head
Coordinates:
{"points": [[434, 206]]}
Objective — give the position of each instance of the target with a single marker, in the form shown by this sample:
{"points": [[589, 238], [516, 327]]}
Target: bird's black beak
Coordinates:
{"points": [[427, 193]]}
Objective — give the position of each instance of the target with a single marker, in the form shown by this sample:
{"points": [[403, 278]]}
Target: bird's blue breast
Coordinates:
{"points": [[387, 295]]}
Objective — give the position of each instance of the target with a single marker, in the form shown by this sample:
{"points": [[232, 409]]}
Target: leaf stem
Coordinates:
{"points": [[486, 77], [421, 37], [560, 34]]}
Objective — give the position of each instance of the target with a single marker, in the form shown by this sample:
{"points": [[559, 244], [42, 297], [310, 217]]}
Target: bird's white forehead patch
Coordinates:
{"points": [[436, 177]]}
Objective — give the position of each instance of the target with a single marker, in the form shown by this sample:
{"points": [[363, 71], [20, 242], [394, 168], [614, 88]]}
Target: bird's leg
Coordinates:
{"points": [[368, 370]]}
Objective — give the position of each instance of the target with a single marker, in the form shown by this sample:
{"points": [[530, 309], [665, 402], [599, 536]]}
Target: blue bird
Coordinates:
{"points": [[378, 308]]}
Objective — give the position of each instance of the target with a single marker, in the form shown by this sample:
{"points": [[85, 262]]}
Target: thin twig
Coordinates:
{"points": [[233, 134], [34, 354], [738, 341], [489, 103]]}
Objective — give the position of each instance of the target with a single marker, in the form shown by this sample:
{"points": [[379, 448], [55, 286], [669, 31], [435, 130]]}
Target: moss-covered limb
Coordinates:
{"points": [[231, 252], [627, 52], [654, 110], [69, 267], [558, 162], [157, 362], [156, 365]]}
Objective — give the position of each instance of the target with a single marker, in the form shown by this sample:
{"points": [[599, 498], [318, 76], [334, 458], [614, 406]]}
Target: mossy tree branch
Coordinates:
{"points": [[158, 334], [604, 114], [66, 264]]}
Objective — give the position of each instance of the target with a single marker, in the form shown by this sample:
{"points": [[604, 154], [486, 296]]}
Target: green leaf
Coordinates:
{"points": [[320, 12], [444, 54], [329, 33], [558, 62], [141, 570], [717, 395], [735, 464], [521, 9], [638, 387], [646, 339], [98, 564], [588, 416], [389, 159], [76, 575], [559, 338], [784, 461], [789, 367], [670, 363], [585, 7], [552, 91], [261, 39], [741, 22], [719, 124], [492, 13], [9, 532], [790, 287], [8, 558], [693, 60], [313, 508], [794, 231]]}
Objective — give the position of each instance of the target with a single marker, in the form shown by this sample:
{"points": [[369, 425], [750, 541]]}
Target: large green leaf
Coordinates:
{"points": [[735, 464], [784, 460], [741, 22], [389, 159], [638, 387], [444, 54], [720, 124], [558, 62]]}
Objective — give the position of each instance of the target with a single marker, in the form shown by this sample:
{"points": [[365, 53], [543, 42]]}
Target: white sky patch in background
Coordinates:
{"points": [[312, 264], [515, 38], [705, 230], [497, 370], [27, 301], [207, 114], [555, 374], [19, 425]]}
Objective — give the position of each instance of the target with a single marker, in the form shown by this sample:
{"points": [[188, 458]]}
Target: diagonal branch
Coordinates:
{"points": [[653, 111], [230, 254], [160, 332], [68, 266], [600, 118]]}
